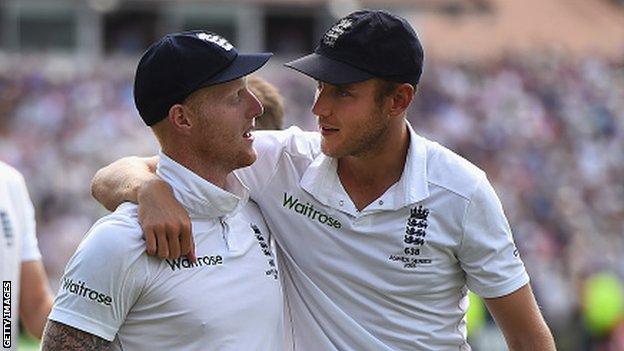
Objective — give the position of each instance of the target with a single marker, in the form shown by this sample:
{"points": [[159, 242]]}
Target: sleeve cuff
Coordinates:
{"points": [[33, 256], [83, 323], [503, 289]]}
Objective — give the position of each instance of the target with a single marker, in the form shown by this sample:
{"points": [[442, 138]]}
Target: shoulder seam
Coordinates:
{"points": [[465, 197], [273, 173], [284, 152], [463, 222], [478, 179]]}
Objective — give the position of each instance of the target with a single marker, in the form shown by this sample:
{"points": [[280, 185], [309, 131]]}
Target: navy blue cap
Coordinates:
{"points": [[363, 45], [182, 63]]}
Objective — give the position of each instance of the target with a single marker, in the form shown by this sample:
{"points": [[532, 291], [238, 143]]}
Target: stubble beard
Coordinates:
{"points": [[246, 158], [372, 133], [225, 152]]}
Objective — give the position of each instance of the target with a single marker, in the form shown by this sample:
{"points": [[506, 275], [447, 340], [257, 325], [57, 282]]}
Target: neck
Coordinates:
{"points": [[203, 167], [367, 176], [383, 161]]}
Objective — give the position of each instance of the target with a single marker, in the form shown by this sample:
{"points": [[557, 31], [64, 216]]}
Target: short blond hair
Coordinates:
{"points": [[272, 101]]}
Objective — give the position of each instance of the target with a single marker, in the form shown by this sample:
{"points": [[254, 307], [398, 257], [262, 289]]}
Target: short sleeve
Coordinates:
{"points": [[487, 253], [271, 146], [102, 280]]}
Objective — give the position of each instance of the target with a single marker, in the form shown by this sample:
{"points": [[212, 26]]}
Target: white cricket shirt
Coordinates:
{"points": [[18, 243], [395, 275], [229, 300]]}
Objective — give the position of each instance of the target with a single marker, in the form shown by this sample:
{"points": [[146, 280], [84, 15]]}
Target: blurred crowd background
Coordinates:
{"points": [[544, 119]]}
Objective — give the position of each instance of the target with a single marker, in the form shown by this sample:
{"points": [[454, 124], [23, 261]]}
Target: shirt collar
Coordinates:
{"points": [[321, 181], [200, 197]]}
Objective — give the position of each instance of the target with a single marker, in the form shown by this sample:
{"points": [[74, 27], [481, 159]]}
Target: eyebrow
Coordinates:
{"points": [[236, 88], [347, 86], [241, 82]]}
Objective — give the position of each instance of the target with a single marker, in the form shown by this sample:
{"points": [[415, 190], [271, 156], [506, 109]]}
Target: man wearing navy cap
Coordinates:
{"points": [[380, 232], [191, 89]]}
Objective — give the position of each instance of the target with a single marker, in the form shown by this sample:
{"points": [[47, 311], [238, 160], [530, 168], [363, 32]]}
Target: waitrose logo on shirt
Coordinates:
{"points": [[309, 211], [79, 288]]}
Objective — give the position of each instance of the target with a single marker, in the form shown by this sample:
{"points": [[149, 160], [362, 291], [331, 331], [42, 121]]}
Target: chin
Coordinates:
{"points": [[330, 150], [248, 158]]}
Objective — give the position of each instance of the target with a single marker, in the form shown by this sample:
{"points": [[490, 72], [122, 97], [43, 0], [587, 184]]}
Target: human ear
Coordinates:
{"points": [[180, 118], [401, 99]]}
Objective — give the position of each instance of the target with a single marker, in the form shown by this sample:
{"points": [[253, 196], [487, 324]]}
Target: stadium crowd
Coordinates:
{"points": [[547, 128]]}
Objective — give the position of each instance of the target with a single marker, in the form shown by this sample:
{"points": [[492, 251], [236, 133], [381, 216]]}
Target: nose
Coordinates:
{"points": [[322, 106], [255, 107]]}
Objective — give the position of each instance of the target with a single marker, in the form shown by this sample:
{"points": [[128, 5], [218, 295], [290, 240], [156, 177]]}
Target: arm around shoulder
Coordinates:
{"points": [[164, 221], [121, 180]]}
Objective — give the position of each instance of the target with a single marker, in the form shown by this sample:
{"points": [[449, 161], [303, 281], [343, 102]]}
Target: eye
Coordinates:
{"points": [[343, 93], [238, 95]]}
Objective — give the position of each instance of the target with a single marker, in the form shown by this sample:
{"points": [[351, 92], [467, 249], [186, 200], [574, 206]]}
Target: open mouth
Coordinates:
{"points": [[328, 130], [247, 134]]}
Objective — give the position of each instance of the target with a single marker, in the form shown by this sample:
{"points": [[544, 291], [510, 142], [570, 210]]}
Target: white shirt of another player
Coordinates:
{"points": [[18, 242], [229, 300], [395, 275]]}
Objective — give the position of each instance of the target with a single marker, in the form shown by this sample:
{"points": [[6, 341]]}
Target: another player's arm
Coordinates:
{"points": [[58, 336], [122, 180], [521, 322], [165, 223], [35, 297]]}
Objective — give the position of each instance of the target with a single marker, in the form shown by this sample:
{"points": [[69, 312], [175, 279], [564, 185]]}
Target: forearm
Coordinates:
{"points": [[36, 319], [121, 180], [163, 219], [35, 297], [521, 321], [58, 336], [539, 340]]}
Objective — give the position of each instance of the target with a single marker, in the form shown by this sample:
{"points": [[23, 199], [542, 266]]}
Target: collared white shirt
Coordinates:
{"points": [[229, 300], [393, 276], [18, 243]]}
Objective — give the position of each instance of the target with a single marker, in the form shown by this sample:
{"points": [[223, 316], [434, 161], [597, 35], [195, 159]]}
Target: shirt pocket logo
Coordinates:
{"points": [[414, 239]]}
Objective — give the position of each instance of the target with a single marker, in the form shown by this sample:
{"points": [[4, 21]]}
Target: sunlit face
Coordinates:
{"points": [[351, 121], [224, 117]]}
